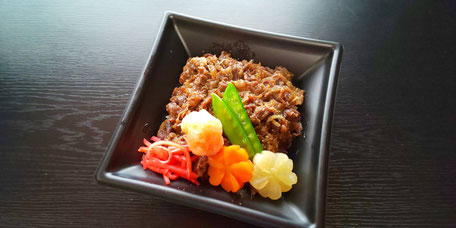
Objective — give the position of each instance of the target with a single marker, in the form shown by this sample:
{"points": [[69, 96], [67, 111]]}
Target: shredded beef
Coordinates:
{"points": [[268, 95], [200, 166]]}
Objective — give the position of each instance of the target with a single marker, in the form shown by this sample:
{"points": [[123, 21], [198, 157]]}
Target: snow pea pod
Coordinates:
{"points": [[233, 101], [231, 126]]}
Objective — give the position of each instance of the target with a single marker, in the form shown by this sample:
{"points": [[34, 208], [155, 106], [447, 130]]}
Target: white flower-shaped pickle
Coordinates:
{"points": [[272, 174], [203, 133]]}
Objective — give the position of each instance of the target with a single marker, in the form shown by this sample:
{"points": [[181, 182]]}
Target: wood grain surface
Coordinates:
{"points": [[67, 69]]}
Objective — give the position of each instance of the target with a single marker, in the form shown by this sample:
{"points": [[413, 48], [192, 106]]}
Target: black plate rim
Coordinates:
{"points": [[256, 217]]}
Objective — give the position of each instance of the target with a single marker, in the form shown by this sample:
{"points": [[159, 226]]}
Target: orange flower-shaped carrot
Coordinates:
{"points": [[231, 168]]}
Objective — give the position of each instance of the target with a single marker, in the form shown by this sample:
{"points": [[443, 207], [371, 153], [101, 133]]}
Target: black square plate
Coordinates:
{"points": [[315, 65]]}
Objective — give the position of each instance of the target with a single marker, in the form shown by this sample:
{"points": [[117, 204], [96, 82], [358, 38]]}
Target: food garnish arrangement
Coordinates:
{"points": [[230, 124]]}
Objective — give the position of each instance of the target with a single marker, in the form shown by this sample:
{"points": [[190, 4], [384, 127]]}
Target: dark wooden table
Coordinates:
{"points": [[67, 69]]}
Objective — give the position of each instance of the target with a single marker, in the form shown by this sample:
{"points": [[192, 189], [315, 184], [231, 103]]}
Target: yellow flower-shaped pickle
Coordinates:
{"points": [[272, 174]]}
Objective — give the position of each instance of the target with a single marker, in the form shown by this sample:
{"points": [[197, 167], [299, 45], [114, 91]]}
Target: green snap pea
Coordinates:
{"points": [[231, 126], [233, 101]]}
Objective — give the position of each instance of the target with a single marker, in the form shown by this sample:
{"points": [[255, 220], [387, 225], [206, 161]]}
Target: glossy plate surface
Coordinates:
{"points": [[315, 65]]}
